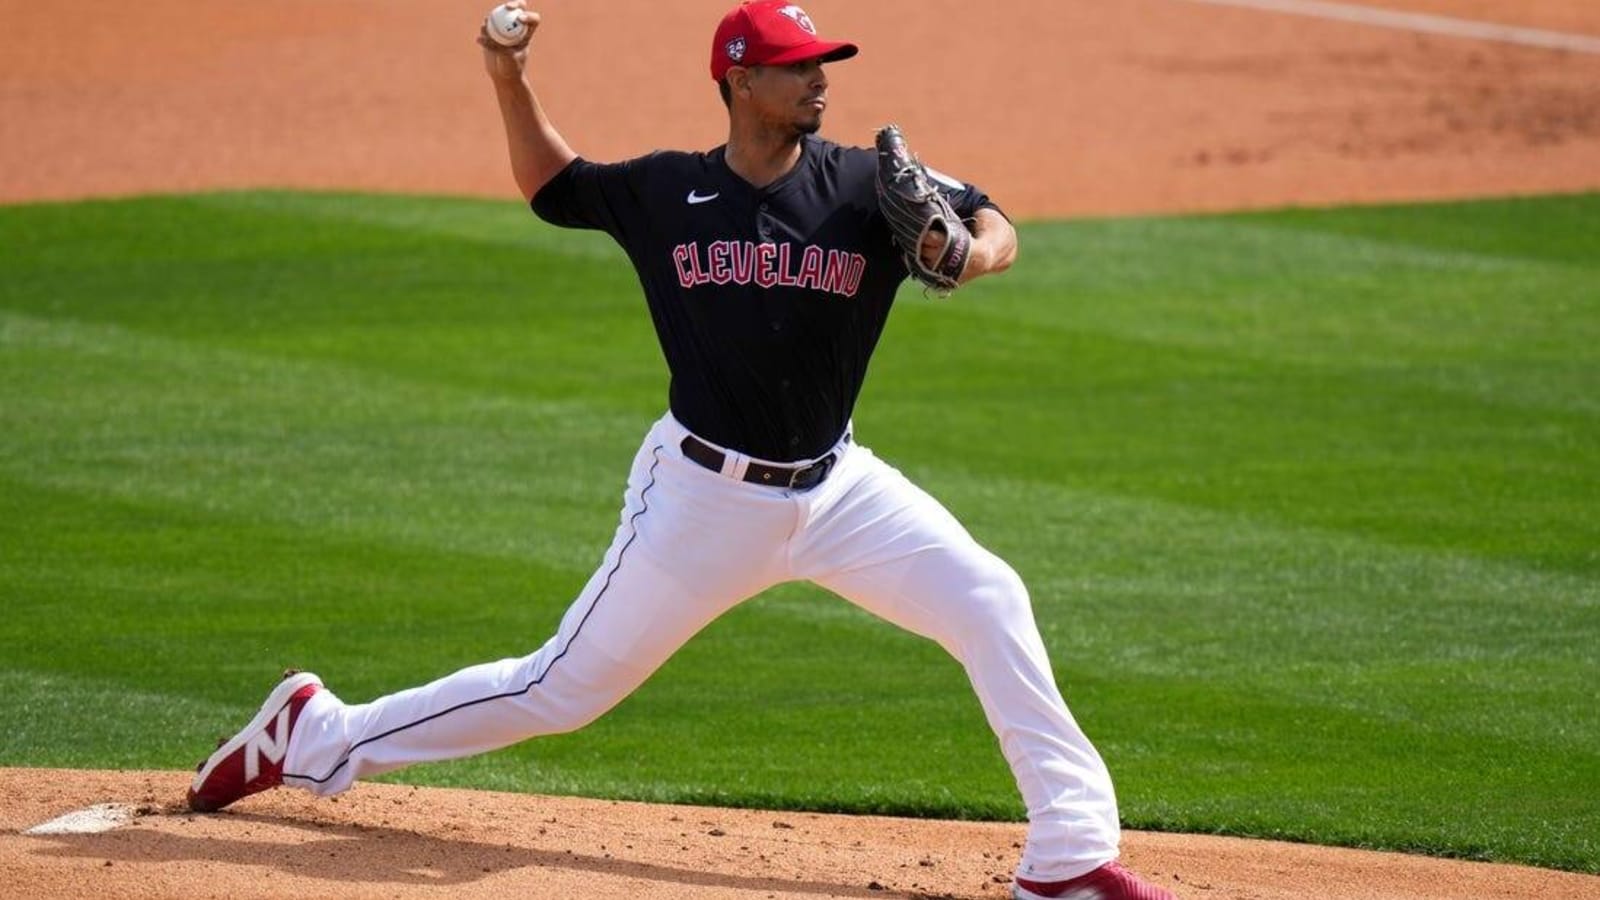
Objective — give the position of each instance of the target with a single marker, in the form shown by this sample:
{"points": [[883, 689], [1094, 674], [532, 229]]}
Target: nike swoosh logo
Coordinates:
{"points": [[694, 198]]}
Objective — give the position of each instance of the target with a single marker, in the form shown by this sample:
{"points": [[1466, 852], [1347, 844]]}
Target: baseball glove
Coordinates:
{"points": [[914, 208]]}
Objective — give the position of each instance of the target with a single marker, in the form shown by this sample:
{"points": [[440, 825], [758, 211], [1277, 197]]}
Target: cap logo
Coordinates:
{"points": [[735, 49], [799, 16]]}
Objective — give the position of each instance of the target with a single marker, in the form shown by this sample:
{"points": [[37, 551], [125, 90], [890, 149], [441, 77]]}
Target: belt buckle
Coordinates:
{"points": [[802, 478]]}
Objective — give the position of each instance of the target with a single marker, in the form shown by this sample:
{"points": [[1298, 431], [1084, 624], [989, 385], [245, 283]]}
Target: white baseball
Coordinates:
{"points": [[505, 27]]}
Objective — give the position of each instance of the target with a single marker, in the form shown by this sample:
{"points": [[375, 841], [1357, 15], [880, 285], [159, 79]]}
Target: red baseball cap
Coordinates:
{"points": [[770, 33]]}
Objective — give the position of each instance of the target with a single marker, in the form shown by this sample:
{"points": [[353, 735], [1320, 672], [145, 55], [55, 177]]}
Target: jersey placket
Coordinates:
{"points": [[770, 229]]}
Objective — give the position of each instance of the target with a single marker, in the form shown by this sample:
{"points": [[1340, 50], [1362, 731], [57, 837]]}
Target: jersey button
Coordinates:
{"points": [[785, 384], [777, 326], [794, 440]]}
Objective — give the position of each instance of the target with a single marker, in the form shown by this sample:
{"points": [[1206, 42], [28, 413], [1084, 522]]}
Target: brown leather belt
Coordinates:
{"points": [[802, 477]]}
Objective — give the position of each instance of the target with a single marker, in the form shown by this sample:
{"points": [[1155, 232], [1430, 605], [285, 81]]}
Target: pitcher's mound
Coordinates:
{"points": [[391, 841]]}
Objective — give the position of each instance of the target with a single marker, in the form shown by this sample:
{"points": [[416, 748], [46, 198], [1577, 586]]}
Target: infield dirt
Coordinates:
{"points": [[384, 840], [1057, 108]]}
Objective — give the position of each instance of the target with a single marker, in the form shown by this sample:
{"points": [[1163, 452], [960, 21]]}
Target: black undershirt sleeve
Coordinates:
{"points": [[967, 199]]}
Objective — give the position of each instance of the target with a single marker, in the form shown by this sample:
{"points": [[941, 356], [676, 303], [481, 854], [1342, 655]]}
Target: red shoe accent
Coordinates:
{"points": [[253, 760], [1109, 882]]}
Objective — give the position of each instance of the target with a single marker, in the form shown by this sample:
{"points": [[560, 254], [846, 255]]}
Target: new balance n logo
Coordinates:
{"points": [[273, 748]]}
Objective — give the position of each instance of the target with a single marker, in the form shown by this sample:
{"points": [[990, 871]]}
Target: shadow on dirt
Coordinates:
{"points": [[374, 855]]}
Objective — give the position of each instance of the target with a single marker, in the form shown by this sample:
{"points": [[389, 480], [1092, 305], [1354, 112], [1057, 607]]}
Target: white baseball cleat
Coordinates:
{"points": [[252, 761]]}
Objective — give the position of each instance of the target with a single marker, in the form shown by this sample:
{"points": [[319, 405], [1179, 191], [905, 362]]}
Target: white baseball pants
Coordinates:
{"points": [[692, 544]]}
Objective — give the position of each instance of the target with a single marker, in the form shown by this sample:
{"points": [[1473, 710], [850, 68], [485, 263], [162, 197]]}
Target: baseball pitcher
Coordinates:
{"points": [[769, 265]]}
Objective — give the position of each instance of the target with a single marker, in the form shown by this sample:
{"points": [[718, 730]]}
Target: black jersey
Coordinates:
{"points": [[768, 301]]}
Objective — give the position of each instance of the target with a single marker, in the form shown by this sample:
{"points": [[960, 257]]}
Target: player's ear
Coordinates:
{"points": [[739, 81]]}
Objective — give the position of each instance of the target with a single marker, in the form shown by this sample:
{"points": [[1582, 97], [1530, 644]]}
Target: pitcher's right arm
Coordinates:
{"points": [[537, 150]]}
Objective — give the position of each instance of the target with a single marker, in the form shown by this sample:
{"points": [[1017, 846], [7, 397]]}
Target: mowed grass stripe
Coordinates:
{"points": [[117, 726], [1134, 540], [1305, 501], [1367, 362], [306, 440], [167, 599], [107, 411]]}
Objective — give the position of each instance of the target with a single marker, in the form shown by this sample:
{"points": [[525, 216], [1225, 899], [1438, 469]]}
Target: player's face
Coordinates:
{"points": [[794, 95]]}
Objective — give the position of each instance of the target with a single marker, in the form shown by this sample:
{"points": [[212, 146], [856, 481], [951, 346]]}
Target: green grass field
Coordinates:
{"points": [[1308, 501]]}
